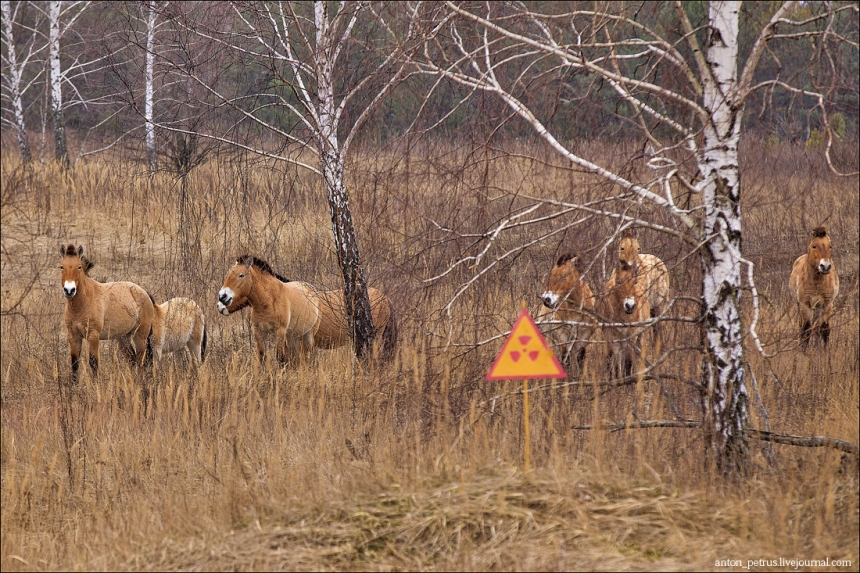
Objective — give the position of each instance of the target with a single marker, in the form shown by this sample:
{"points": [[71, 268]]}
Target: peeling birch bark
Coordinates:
{"points": [[726, 401], [56, 78], [15, 68], [148, 95]]}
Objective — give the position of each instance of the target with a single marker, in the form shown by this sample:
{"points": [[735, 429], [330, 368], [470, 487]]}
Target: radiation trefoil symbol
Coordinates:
{"points": [[525, 354]]}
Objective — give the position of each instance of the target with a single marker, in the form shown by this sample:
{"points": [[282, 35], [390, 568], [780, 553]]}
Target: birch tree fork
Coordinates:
{"points": [[311, 56], [504, 48]]}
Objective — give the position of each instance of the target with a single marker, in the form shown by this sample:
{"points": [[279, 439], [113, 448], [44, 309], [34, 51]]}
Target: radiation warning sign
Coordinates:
{"points": [[525, 354]]}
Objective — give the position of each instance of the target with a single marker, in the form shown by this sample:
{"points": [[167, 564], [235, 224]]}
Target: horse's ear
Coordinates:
{"points": [[62, 250], [80, 250], [565, 258], [249, 261], [819, 231]]}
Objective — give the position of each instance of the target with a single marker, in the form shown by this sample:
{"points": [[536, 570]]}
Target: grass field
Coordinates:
{"points": [[416, 463]]}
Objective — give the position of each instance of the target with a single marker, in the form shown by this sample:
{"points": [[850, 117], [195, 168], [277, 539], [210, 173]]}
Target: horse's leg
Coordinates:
{"points": [[258, 337], [93, 344], [612, 360], [806, 316], [286, 347], [824, 330], [307, 343], [126, 348], [75, 352]]}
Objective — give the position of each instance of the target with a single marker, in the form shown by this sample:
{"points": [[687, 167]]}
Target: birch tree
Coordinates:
{"points": [[60, 19], [15, 84], [685, 86], [313, 104], [152, 158]]}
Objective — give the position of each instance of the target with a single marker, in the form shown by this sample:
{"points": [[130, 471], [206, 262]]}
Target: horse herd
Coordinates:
{"points": [[638, 289], [300, 317]]}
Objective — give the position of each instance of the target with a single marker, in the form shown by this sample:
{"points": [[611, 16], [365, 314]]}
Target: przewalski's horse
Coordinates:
{"points": [[183, 325], [289, 310], [651, 269], [625, 301], [329, 329], [572, 300], [814, 283], [101, 311]]}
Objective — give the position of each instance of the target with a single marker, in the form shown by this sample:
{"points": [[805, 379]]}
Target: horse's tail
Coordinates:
{"points": [[389, 335], [148, 359], [203, 344]]}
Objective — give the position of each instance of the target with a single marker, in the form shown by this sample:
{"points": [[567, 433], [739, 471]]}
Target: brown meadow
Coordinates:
{"points": [[415, 463]]}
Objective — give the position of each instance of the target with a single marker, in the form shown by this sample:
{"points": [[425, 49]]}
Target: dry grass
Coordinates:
{"points": [[408, 465]]}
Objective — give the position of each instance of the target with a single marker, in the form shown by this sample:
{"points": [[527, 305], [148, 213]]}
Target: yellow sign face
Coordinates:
{"points": [[525, 354]]}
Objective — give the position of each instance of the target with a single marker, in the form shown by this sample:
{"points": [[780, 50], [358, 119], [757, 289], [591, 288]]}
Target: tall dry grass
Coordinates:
{"points": [[414, 464]]}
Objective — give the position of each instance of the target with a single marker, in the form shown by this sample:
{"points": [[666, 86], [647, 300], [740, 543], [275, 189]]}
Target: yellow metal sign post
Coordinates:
{"points": [[525, 354]]}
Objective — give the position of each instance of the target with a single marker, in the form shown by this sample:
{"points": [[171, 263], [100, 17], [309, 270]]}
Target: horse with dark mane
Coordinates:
{"points": [[102, 311], [814, 284], [624, 301], [573, 302], [301, 316]]}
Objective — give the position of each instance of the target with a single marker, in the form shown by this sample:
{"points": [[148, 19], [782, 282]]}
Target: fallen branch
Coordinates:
{"points": [[644, 424], [804, 441]]}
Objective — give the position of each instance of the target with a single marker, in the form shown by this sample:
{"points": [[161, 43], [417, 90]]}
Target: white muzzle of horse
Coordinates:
{"points": [[824, 267], [225, 299], [70, 289], [550, 299], [629, 305]]}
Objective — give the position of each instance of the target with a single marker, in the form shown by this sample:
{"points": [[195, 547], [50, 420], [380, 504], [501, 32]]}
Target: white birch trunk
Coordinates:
{"points": [[148, 95], [56, 80], [15, 83], [358, 314], [726, 403]]}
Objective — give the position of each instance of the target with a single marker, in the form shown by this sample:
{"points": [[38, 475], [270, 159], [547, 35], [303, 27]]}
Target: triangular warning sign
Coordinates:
{"points": [[525, 354]]}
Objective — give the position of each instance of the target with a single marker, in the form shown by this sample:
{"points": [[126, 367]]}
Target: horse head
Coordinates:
{"points": [[237, 286], [72, 265], [564, 279], [818, 251], [628, 252], [626, 294]]}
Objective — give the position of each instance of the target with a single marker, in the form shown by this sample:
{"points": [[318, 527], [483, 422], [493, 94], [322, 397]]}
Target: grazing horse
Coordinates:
{"points": [[329, 329], [183, 325], [814, 283], [625, 301], [572, 300], [101, 311], [289, 310], [651, 269]]}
